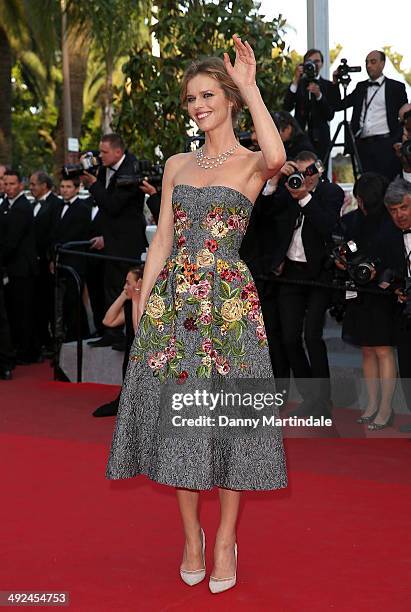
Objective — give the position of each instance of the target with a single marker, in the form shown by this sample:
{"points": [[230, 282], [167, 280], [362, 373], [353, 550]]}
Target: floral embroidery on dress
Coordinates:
{"points": [[214, 298]]}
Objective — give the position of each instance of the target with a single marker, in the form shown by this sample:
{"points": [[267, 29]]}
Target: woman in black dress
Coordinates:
{"points": [[369, 318]]}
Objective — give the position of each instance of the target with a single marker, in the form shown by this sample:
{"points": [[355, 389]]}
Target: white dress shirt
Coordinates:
{"points": [[110, 171], [406, 176], [65, 207], [38, 205], [376, 117], [94, 211], [296, 249]]}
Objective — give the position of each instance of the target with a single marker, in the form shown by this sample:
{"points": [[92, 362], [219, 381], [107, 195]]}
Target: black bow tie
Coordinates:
{"points": [[373, 84], [408, 231]]}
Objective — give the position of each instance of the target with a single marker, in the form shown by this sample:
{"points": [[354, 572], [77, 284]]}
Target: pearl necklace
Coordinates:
{"points": [[206, 162]]}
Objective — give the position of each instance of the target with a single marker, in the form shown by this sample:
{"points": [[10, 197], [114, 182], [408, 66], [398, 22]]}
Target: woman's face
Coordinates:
{"points": [[130, 284], [206, 102]]}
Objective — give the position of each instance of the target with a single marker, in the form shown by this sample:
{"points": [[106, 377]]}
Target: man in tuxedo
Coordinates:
{"points": [[314, 101], [72, 224], [374, 121], [122, 217], [2, 172], [398, 202], [20, 263], [46, 209], [303, 220], [6, 348]]}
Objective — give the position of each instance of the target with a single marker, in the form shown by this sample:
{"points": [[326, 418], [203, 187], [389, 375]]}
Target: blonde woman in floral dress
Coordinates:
{"points": [[200, 317]]}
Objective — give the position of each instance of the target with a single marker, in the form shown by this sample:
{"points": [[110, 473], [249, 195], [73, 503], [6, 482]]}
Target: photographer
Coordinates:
{"points": [[374, 121], [304, 218], [294, 139], [314, 99], [369, 317], [398, 202], [121, 208]]}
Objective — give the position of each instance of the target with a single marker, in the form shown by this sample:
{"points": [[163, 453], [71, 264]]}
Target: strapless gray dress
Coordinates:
{"points": [[202, 321]]}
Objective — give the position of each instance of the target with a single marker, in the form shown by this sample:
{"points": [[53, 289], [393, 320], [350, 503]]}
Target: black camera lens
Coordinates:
{"points": [[295, 180]]}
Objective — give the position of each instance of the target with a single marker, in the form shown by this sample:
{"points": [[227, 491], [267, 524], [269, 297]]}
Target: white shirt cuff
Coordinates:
{"points": [[305, 200], [406, 176], [269, 188], [320, 96], [293, 88]]}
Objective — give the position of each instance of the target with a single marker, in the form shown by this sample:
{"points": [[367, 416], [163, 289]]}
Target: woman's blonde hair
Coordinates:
{"points": [[215, 68]]}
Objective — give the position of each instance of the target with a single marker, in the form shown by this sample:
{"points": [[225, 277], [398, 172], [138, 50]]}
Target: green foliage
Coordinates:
{"points": [[149, 110], [32, 127], [396, 59]]}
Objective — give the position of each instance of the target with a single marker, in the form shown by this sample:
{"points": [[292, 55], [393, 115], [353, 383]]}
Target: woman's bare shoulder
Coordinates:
{"points": [[175, 162]]}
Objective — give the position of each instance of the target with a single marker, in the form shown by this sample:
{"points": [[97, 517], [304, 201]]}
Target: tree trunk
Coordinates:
{"points": [[5, 98], [79, 46], [107, 99]]}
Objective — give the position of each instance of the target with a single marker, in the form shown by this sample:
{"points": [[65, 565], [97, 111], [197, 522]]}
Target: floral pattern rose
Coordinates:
{"points": [[232, 310], [155, 306]]}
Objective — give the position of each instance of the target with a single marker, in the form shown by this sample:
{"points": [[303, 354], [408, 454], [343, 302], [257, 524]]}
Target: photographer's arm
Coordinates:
{"points": [[324, 210], [162, 243], [113, 204]]}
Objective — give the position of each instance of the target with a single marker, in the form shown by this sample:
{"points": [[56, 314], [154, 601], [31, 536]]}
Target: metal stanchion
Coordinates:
{"points": [[69, 249]]}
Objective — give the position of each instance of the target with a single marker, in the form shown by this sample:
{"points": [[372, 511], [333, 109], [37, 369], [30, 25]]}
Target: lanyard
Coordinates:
{"points": [[368, 104]]}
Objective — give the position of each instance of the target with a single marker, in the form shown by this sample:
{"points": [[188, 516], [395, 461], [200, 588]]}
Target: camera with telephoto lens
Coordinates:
{"points": [[309, 71], [343, 71], [296, 179], [361, 270], [144, 170], [90, 162]]}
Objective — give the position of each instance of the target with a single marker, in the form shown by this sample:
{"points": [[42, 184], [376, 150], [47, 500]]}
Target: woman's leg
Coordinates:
{"points": [[224, 560], [371, 373], [188, 503], [387, 374]]}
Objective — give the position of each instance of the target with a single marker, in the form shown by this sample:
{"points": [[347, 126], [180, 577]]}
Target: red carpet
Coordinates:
{"points": [[337, 539]]}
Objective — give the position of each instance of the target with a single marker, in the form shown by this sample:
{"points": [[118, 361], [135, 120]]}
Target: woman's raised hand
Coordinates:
{"points": [[243, 71]]}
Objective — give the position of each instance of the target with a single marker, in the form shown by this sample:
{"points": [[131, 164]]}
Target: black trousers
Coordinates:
{"points": [[43, 307], [95, 286], [302, 311], [268, 293], [19, 296], [6, 347], [403, 329], [377, 155]]}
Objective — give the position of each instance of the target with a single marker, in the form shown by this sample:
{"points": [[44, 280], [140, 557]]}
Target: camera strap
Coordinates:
{"points": [[366, 105]]}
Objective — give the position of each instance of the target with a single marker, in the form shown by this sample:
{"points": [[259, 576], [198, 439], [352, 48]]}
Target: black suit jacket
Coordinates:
{"points": [[313, 114], [74, 226], [270, 232], [44, 222], [395, 97], [121, 212], [18, 243]]}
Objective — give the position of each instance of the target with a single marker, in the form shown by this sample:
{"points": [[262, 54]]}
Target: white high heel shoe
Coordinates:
{"points": [[192, 577], [218, 585]]}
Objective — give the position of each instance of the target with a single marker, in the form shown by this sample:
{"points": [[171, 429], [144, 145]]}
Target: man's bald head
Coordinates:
{"points": [[374, 64]]}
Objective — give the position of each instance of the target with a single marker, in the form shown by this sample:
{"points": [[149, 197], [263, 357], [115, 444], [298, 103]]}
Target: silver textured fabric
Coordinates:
{"points": [[202, 320]]}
